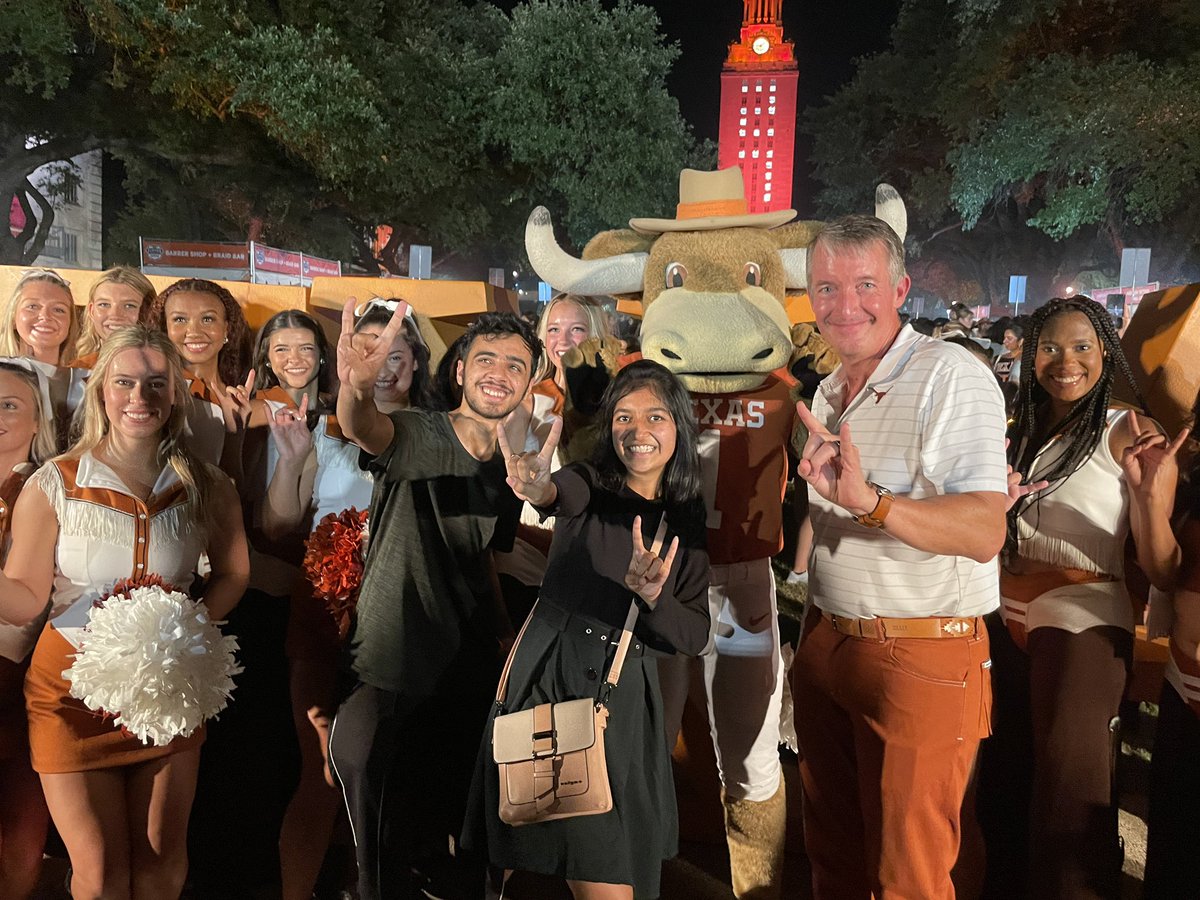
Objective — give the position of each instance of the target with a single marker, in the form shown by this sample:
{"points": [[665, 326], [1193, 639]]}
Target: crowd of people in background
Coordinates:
{"points": [[974, 537]]}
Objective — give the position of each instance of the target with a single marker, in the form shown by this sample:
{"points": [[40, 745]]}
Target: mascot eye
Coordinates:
{"points": [[753, 274], [676, 273]]}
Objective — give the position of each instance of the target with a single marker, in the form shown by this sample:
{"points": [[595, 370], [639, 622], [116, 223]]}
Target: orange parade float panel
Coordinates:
{"points": [[631, 306], [437, 299], [451, 305], [799, 308], [1162, 344]]}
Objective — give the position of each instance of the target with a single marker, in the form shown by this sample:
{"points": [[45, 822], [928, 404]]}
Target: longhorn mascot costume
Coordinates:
{"points": [[713, 282]]}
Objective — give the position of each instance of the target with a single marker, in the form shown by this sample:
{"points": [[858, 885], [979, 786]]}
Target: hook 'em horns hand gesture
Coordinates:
{"points": [[647, 571], [361, 356], [831, 464], [237, 403], [529, 473], [289, 430], [1151, 463]]}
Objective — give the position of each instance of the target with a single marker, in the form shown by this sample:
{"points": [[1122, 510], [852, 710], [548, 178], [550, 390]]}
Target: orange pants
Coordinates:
{"points": [[888, 731]]}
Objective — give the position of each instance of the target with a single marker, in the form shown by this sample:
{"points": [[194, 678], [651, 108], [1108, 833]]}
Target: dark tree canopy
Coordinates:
{"points": [[308, 122], [1053, 128]]}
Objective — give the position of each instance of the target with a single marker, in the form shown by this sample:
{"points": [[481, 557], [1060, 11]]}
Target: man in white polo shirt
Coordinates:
{"points": [[907, 483]]}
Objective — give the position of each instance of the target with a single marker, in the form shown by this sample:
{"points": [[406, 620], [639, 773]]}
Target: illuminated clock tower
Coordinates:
{"points": [[758, 107]]}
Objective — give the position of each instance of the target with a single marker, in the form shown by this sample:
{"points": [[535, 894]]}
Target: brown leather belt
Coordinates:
{"points": [[882, 628]]}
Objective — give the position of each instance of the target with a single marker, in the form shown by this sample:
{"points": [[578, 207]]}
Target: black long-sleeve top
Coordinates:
{"points": [[590, 554]]}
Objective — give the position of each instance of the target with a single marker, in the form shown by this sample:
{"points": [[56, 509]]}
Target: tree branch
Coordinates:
{"points": [[34, 249], [15, 169], [941, 231]]}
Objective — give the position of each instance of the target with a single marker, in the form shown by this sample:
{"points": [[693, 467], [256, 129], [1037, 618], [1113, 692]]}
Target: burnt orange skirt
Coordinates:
{"points": [[66, 736], [14, 726]]}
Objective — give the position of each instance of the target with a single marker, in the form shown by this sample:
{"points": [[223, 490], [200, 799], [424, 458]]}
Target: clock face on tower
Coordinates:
{"points": [[760, 45]]}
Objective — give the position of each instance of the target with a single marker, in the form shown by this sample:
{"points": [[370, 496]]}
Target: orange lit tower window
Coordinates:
{"points": [[758, 107]]}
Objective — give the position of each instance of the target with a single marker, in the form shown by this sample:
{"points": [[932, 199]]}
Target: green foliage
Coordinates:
{"points": [[448, 120], [581, 105], [39, 42], [1098, 140], [1053, 102], [1069, 119]]}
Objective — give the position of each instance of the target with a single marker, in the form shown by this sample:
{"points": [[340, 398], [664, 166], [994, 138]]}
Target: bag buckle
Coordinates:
{"points": [[545, 743]]}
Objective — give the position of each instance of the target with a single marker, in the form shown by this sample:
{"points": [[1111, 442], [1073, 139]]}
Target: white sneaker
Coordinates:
{"points": [[797, 578]]}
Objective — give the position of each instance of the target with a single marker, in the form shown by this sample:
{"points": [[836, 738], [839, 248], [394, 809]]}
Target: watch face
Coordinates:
{"points": [[761, 45]]}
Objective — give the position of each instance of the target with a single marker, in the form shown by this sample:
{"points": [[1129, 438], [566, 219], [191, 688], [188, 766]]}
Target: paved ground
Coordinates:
{"points": [[701, 872]]}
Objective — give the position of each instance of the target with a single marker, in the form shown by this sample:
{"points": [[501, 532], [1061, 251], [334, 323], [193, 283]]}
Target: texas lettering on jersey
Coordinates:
{"points": [[733, 411], [743, 459]]}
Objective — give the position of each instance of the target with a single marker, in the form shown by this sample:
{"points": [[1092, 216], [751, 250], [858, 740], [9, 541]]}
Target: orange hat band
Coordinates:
{"points": [[706, 208]]}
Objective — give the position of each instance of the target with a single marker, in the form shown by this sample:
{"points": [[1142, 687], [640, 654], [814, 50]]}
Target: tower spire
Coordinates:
{"points": [[758, 107], [762, 12]]}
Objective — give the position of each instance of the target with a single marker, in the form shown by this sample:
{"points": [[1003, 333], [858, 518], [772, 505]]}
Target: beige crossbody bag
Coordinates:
{"points": [[551, 757]]}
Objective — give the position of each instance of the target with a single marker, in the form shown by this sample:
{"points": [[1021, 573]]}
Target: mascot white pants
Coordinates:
{"points": [[740, 675]]}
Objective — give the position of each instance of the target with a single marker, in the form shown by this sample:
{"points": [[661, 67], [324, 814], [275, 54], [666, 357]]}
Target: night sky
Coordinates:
{"points": [[829, 35]]}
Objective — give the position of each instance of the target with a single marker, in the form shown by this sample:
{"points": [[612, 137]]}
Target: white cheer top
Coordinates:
{"points": [[106, 534], [1082, 521], [205, 423], [339, 482]]}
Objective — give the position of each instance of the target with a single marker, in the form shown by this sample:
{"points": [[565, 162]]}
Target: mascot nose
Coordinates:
{"points": [[764, 353]]}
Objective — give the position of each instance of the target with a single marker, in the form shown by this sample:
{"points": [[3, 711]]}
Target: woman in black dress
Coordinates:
{"points": [[644, 474]]}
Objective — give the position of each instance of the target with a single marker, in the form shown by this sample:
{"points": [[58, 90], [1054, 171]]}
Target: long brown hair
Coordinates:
{"points": [[91, 425]]}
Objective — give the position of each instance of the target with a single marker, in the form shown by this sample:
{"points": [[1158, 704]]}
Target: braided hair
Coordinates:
{"points": [[1083, 427]]}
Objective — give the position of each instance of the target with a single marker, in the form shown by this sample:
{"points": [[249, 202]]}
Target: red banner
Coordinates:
{"points": [[315, 266], [194, 254], [272, 259]]}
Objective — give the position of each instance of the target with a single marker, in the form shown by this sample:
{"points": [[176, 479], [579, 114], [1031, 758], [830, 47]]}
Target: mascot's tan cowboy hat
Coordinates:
{"points": [[712, 200]]}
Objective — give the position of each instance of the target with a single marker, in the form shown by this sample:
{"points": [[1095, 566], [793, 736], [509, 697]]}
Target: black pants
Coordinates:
{"points": [[1174, 819], [1044, 779], [405, 771], [362, 752]]}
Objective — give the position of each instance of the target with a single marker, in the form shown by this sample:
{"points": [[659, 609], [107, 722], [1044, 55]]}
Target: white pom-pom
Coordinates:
{"points": [[152, 659]]}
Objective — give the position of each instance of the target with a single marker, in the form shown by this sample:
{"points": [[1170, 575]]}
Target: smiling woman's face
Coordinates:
{"points": [[43, 317], [114, 306], [396, 375], [18, 415], [293, 356], [137, 392], [196, 325], [566, 327], [1069, 359]]}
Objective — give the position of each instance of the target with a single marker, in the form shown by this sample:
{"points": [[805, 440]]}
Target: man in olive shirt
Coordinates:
{"points": [[423, 646]]}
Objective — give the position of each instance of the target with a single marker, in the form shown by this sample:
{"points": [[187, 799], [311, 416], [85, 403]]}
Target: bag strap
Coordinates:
{"points": [[614, 669], [502, 687]]}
